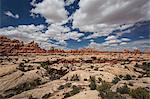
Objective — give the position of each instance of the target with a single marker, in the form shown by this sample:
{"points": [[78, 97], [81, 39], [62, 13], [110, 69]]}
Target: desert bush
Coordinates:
{"points": [[72, 92], [92, 83], [66, 95], [31, 97], [130, 84], [120, 76], [111, 95], [1, 97], [85, 79], [140, 93], [75, 78], [25, 68], [127, 77], [46, 96], [146, 64], [61, 87], [115, 80], [99, 79], [22, 87], [105, 86], [123, 90], [96, 68], [67, 85], [94, 58], [26, 60], [136, 65], [21, 67], [45, 64]]}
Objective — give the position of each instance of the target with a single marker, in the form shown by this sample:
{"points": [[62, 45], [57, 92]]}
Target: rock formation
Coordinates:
{"points": [[15, 47]]}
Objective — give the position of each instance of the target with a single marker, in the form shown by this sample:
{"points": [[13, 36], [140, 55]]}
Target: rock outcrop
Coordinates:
{"points": [[15, 47]]}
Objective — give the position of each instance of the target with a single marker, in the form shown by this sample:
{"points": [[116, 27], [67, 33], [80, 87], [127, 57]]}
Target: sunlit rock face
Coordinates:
{"points": [[14, 47]]}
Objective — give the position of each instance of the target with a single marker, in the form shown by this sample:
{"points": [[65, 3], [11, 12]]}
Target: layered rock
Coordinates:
{"points": [[14, 47]]}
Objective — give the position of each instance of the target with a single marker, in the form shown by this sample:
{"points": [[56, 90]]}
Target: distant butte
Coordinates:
{"points": [[16, 47]]}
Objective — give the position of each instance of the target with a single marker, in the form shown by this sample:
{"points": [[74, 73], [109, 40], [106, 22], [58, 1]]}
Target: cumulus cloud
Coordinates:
{"points": [[114, 41], [112, 37], [52, 10], [10, 14], [61, 34], [139, 44], [111, 12], [104, 16], [28, 33], [125, 39]]}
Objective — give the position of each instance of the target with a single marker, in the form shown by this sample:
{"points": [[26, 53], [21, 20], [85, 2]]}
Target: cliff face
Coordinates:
{"points": [[14, 47]]}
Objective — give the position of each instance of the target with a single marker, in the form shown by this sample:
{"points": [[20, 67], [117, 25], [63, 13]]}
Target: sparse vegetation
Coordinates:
{"points": [[140, 93], [46, 96], [45, 64], [120, 76], [67, 85], [25, 68], [75, 78], [127, 77], [23, 87], [92, 83], [105, 86], [72, 92], [26, 60], [123, 90], [111, 95], [115, 80]]}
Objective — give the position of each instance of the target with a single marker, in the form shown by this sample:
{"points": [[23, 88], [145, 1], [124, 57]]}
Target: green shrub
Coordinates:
{"points": [[123, 90], [92, 83], [140, 93], [61, 87], [46, 96], [130, 84], [21, 67], [67, 95], [75, 90], [45, 64], [26, 60], [115, 80], [105, 86], [72, 92], [75, 78], [111, 95], [127, 77], [67, 85], [120, 76]]}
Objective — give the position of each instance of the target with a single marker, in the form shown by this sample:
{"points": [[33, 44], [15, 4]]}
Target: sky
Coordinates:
{"points": [[74, 24]]}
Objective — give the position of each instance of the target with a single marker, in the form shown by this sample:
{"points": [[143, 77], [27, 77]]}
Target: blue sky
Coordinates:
{"points": [[74, 24]]}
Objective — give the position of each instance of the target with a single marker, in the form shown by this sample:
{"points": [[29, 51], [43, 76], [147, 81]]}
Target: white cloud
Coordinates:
{"points": [[139, 44], [52, 10], [112, 37], [94, 12], [112, 42], [26, 33], [104, 16], [123, 43], [61, 34], [10, 14], [125, 39]]}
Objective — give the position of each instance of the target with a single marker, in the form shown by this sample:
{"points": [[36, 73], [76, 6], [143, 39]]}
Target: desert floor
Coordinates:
{"points": [[86, 76]]}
